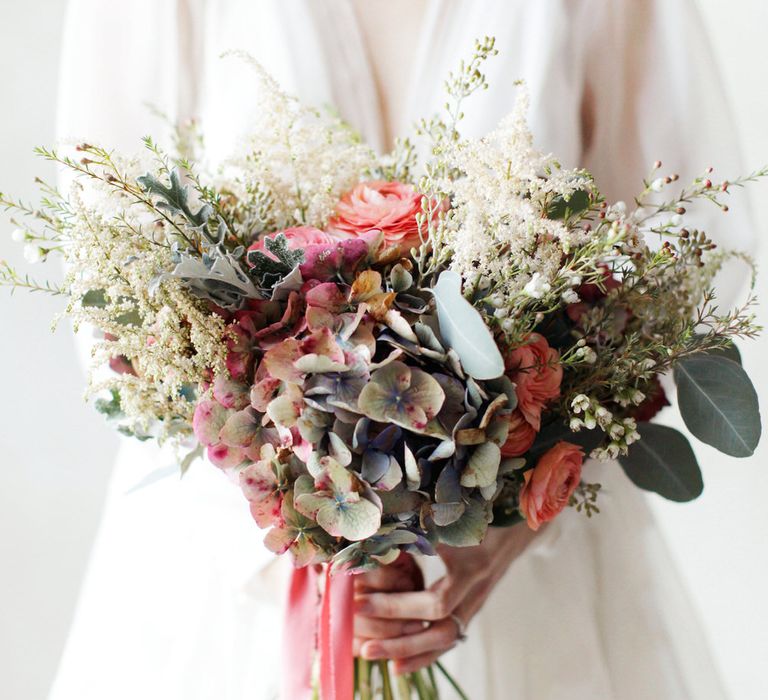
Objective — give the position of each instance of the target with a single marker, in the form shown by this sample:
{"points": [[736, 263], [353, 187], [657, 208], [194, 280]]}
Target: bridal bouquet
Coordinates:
{"points": [[390, 353]]}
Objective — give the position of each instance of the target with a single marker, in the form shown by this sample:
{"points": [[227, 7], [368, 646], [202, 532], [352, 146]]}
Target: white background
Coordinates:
{"points": [[56, 454]]}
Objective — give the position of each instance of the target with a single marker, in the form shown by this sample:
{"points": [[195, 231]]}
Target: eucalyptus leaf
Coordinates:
{"points": [[427, 337], [718, 403], [729, 352], [464, 331], [504, 385], [663, 461]]}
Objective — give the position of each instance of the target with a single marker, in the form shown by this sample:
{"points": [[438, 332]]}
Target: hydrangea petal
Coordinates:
{"points": [[208, 420], [352, 521], [483, 466]]}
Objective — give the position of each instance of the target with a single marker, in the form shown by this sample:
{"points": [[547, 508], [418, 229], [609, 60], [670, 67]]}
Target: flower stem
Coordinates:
{"points": [[386, 682], [451, 680], [364, 679], [403, 687], [421, 686], [432, 679]]}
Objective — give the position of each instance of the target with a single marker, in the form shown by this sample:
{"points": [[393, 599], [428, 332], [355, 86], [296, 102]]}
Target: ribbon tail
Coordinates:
{"points": [[336, 633], [299, 640]]}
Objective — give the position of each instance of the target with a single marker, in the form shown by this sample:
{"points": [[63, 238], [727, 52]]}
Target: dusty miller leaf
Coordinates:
{"points": [[174, 199], [268, 270], [224, 282]]}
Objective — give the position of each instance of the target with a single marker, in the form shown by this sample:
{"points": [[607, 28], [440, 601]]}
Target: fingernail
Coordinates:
{"points": [[372, 651], [413, 627]]}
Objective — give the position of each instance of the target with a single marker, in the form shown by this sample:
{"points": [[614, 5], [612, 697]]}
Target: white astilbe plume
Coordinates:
{"points": [[497, 228], [302, 158]]}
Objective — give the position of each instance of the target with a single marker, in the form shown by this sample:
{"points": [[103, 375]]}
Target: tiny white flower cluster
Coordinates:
{"points": [[629, 396], [584, 353], [589, 414], [622, 433]]}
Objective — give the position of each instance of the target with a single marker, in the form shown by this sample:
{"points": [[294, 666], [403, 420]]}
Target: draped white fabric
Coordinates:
{"points": [[181, 600]]}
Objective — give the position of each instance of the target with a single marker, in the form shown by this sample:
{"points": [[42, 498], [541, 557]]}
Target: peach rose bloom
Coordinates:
{"points": [[389, 207], [520, 438], [299, 237], [550, 484], [536, 371]]}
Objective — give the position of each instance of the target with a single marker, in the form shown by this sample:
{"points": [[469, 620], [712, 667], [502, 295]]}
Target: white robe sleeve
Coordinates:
{"points": [[120, 58], [653, 92]]}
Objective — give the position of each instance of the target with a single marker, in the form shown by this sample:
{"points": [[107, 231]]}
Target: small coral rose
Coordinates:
{"points": [[520, 438], [537, 373], [390, 207], [550, 484]]}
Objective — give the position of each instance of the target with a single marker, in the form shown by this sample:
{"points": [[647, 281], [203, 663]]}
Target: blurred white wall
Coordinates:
{"points": [[56, 454]]}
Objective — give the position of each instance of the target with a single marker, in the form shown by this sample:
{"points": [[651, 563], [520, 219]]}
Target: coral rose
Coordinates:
{"points": [[550, 484], [536, 371], [520, 438], [299, 237], [390, 207]]}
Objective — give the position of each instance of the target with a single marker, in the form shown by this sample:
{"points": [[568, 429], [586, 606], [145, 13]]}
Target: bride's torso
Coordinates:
{"points": [[384, 65], [390, 32]]}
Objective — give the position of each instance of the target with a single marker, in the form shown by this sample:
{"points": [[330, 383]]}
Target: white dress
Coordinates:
{"points": [[181, 601]]}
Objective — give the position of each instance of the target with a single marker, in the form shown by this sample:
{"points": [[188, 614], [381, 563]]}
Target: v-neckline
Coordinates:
{"points": [[392, 123], [350, 71]]}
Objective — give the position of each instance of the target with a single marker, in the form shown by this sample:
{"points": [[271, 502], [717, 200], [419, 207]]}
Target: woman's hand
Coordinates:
{"points": [[396, 619]]}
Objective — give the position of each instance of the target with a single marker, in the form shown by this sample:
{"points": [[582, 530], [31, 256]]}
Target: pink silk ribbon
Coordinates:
{"points": [[319, 623]]}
